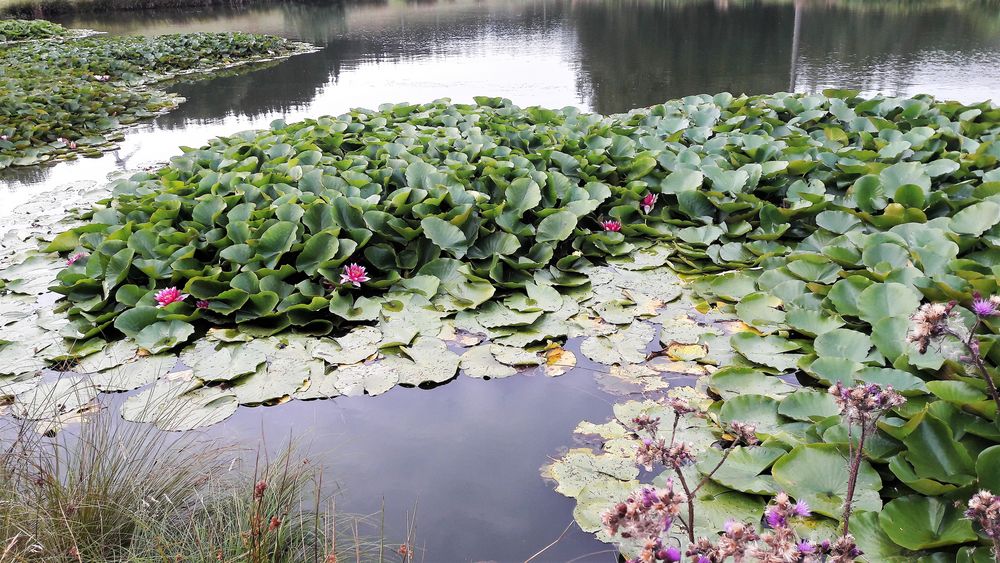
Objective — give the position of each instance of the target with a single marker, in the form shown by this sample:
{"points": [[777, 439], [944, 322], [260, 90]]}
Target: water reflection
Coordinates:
{"points": [[601, 56]]}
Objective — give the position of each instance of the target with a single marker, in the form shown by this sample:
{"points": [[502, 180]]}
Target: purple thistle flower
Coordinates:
{"points": [[774, 518], [801, 508], [983, 307], [673, 555], [805, 547]]}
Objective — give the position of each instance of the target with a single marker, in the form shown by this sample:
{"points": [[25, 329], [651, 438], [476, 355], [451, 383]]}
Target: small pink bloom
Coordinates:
{"points": [[72, 259], [648, 202], [4, 137], [202, 304], [612, 226], [168, 296], [354, 274]]}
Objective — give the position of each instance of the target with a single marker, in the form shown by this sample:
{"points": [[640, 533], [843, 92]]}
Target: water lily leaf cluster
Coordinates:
{"points": [[826, 261], [21, 30], [60, 99]]}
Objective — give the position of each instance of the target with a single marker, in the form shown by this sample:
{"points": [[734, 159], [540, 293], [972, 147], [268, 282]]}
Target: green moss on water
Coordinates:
{"points": [[59, 99]]}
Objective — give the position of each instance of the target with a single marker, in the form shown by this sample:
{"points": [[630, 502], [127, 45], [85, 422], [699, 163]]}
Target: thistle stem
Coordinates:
{"points": [[972, 347], [690, 503], [852, 476], [725, 454]]}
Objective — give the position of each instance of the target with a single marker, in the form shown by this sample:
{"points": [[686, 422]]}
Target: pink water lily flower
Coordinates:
{"points": [[354, 274], [648, 202], [168, 296], [612, 225], [72, 259]]}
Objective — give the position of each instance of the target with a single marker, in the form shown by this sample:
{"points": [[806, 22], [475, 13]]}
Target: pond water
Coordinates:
{"points": [[467, 454]]}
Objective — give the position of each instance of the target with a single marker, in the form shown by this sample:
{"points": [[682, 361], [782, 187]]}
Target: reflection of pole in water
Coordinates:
{"points": [[795, 44]]}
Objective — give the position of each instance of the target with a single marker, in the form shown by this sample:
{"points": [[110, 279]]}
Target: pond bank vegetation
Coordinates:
{"points": [[114, 491]]}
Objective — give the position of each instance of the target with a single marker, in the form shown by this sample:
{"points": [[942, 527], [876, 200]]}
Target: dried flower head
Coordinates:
{"points": [[675, 456], [844, 550], [929, 322], [646, 423], [702, 551], [743, 434], [737, 538], [984, 510], [865, 402], [646, 513], [680, 406]]}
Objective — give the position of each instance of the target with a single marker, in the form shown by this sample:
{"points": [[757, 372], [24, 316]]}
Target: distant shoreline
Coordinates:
{"points": [[37, 9]]}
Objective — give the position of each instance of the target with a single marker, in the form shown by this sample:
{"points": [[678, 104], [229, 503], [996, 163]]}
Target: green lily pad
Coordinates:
{"points": [[479, 362], [817, 474], [626, 346], [428, 360], [357, 345], [917, 522], [733, 381]]}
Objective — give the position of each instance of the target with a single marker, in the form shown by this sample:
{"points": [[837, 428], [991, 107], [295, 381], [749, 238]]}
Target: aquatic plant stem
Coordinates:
{"points": [[852, 478], [725, 455], [690, 503], [971, 344]]}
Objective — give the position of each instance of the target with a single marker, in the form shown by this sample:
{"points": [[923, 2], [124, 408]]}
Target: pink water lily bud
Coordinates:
{"points": [[202, 304], [648, 202], [612, 225], [72, 259], [168, 296], [354, 274]]}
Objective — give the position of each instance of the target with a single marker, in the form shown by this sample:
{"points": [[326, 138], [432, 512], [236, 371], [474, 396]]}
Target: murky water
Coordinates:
{"points": [[467, 454]]}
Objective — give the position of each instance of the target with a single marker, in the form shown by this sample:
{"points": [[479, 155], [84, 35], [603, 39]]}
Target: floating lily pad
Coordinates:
{"points": [[817, 474], [479, 362], [917, 522], [49, 400], [355, 346], [428, 360], [626, 346], [212, 362]]}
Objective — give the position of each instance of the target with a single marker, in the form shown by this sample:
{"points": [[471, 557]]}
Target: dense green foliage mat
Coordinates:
{"points": [[61, 98], [805, 229], [20, 30]]}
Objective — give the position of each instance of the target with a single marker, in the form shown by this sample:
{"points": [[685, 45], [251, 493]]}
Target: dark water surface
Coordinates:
{"points": [[467, 453]]}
